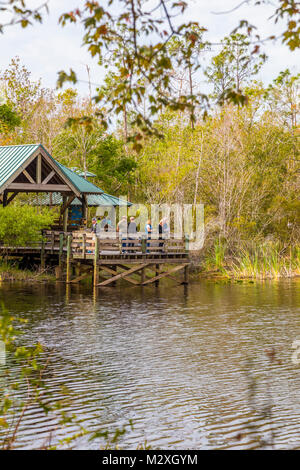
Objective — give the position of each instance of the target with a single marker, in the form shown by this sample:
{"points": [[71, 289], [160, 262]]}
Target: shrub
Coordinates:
{"points": [[20, 225]]}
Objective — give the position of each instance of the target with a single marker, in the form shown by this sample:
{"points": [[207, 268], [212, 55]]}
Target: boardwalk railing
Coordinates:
{"points": [[119, 257], [83, 244]]}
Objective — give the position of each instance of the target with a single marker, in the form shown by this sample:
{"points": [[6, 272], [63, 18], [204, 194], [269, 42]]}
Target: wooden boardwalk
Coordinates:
{"points": [[107, 259]]}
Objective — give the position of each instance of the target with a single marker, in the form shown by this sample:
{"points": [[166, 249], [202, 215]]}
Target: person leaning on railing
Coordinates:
{"points": [[148, 230], [132, 229]]}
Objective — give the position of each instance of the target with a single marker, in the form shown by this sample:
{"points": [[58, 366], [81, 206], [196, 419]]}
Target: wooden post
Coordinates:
{"points": [[60, 255], [84, 210], [69, 253], [61, 247], [65, 221], [65, 215], [186, 243], [57, 273], [39, 169], [43, 252], [186, 275], [84, 245], [96, 259], [52, 242], [144, 245]]}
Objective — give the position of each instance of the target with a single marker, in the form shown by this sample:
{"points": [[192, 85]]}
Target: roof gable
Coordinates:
{"points": [[14, 158]]}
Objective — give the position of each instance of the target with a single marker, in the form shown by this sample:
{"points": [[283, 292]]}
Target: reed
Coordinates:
{"points": [[266, 261]]}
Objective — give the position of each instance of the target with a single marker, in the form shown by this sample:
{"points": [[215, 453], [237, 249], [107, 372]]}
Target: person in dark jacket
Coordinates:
{"points": [[132, 229]]}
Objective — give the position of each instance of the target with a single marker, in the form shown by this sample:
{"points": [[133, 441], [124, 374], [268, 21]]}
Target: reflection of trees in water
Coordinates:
{"points": [[185, 352]]}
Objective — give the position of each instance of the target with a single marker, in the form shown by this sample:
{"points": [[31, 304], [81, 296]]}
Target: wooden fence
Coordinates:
{"points": [[83, 245]]}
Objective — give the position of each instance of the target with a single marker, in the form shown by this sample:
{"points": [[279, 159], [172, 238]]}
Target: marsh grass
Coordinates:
{"points": [[267, 260], [215, 259], [10, 271]]}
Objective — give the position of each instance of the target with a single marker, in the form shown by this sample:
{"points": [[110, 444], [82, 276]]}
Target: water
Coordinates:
{"points": [[179, 362]]}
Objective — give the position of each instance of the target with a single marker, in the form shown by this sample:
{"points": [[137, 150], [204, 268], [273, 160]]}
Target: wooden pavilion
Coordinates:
{"points": [[31, 169]]}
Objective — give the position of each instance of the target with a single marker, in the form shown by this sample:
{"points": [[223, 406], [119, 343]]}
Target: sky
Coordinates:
{"points": [[48, 48]]}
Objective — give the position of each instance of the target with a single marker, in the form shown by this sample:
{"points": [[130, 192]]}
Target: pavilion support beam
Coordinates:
{"points": [[67, 202], [4, 200], [39, 169], [11, 197], [30, 179], [64, 211], [84, 210], [49, 177], [27, 187], [65, 214]]}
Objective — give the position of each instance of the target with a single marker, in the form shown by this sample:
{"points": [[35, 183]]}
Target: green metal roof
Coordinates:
{"points": [[79, 172], [12, 157], [83, 185], [103, 199]]}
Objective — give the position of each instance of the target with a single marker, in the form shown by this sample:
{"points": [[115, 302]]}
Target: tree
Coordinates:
{"points": [[115, 170], [233, 67], [145, 56], [8, 119], [145, 53], [283, 96], [181, 48]]}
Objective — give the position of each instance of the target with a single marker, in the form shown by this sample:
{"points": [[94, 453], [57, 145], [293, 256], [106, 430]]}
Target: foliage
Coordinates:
{"points": [[137, 35], [17, 12], [20, 225], [113, 168], [242, 163], [234, 66], [8, 118]]}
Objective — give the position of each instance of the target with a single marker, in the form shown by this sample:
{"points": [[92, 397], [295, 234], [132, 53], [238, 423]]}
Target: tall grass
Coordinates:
{"points": [[261, 261], [215, 260], [266, 261]]}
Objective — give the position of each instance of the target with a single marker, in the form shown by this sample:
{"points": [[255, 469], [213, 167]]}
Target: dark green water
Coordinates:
{"points": [[177, 361]]}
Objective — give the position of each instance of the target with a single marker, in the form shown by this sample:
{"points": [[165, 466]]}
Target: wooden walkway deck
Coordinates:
{"points": [[81, 254]]}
